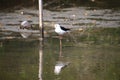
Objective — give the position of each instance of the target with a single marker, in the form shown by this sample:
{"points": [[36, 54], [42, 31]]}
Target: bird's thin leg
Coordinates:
{"points": [[60, 54], [60, 36]]}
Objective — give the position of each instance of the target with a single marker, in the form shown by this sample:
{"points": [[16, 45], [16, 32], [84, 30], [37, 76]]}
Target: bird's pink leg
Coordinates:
{"points": [[60, 36], [60, 54]]}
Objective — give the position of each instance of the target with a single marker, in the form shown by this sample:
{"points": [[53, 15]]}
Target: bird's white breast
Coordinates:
{"points": [[59, 31]]}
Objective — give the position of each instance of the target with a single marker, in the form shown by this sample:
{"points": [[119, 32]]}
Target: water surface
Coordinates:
{"points": [[19, 60], [93, 53]]}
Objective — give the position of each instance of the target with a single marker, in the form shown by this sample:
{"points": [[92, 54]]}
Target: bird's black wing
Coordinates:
{"points": [[65, 29]]}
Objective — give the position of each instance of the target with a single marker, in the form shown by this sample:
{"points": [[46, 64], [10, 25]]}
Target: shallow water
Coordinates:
{"points": [[19, 60], [93, 53]]}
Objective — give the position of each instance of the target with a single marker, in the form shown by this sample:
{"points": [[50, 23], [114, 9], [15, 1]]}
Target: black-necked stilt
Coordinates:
{"points": [[60, 30]]}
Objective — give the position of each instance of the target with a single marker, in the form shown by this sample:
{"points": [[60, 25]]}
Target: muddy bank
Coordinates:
{"points": [[69, 17]]}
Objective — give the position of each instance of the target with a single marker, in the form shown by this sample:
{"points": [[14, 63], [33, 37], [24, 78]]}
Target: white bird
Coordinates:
{"points": [[60, 30], [25, 25]]}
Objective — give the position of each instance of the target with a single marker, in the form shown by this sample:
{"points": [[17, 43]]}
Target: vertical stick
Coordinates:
{"points": [[40, 61], [41, 19], [41, 40]]}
